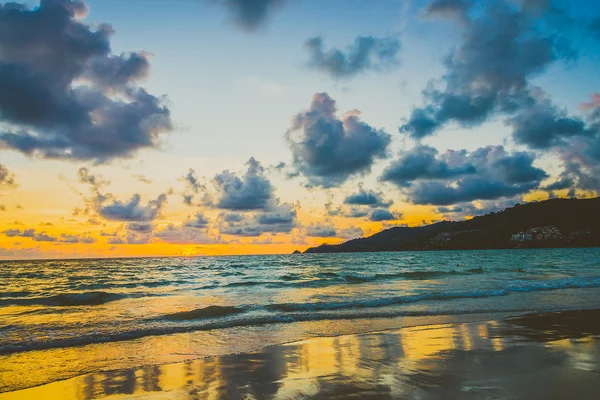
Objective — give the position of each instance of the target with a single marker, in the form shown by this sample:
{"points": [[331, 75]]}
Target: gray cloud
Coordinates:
{"points": [[46, 113], [458, 9], [250, 15], [198, 221], [133, 210], [422, 162], [381, 214], [193, 187], [367, 53], [141, 227], [68, 238], [462, 210], [351, 233], [253, 191], [143, 178], [282, 219], [30, 233], [539, 124], [321, 230], [328, 150], [186, 235], [595, 26], [501, 49], [484, 174], [367, 198], [7, 178], [26, 233]]}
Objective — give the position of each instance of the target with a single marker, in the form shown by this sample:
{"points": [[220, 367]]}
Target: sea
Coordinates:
{"points": [[153, 310]]}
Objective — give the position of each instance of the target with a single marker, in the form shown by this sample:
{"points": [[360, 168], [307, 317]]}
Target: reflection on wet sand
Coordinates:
{"points": [[463, 361]]}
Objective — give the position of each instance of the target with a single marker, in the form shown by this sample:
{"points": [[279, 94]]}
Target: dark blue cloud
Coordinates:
{"points": [[458, 9], [367, 53], [72, 239], [197, 221], [382, 214], [328, 150], [281, 219], [46, 113], [252, 191], [503, 47], [141, 227], [422, 162], [133, 210], [251, 15], [31, 234], [453, 177], [539, 124], [367, 198], [321, 230], [186, 235]]}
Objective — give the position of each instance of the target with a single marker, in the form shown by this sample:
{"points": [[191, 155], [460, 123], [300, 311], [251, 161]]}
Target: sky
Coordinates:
{"points": [[211, 127]]}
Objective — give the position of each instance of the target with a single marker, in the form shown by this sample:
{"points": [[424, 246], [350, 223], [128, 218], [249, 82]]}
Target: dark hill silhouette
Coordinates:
{"points": [[578, 221]]}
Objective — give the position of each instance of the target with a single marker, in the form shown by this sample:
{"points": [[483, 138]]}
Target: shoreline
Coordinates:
{"points": [[431, 343]]}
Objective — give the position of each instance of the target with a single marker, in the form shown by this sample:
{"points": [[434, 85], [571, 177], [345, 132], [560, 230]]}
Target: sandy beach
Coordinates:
{"points": [[542, 356]]}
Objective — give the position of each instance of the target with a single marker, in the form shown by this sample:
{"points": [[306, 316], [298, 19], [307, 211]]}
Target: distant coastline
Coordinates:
{"points": [[555, 223]]}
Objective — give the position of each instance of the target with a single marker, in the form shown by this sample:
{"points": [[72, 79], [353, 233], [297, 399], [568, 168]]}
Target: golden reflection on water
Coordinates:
{"points": [[367, 364], [406, 363]]}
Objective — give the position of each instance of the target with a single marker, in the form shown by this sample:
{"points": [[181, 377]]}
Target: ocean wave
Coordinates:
{"points": [[516, 286], [206, 312], [245, 283], [67, 299], [224, 323]]}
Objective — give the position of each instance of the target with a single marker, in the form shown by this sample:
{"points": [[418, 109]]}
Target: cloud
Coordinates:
{"points": [[328, 150], [133, 210], [114, 72], [27, 233], [75, 100], [252, 191], [422, 162], [539, 125], [321, 230], [351, 233], [462, 210], [502, 48], [116, 240], [487, 173], [185, 234], [367, 53], [458, 9], [67, 238], [367, 198], [542, 126], [595, 27], [143, 178], [86, 177], [381, 214], [7, 178], [140, 227], [250, 15], [282, 219], [198, 221], [30, 233]]}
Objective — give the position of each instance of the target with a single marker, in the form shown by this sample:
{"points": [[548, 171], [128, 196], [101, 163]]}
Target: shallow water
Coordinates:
{"points": [[60, 304], [549, 356]]}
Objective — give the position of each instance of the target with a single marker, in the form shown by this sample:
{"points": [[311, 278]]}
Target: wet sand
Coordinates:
{"points": [[546, 356]]}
